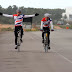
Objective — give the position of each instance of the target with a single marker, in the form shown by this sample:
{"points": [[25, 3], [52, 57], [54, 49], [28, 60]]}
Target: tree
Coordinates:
{"points": [[55, 13], [65, 16]]}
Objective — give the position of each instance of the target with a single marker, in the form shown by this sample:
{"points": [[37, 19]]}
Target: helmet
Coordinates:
{"points": [[18, 10], [47, 14]]}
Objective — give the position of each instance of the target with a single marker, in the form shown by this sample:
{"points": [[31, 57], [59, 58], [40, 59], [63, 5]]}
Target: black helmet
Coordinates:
{"points": [[18, 10]]}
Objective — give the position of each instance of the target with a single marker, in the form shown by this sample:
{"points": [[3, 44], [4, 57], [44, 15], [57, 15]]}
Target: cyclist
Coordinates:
{"points": [[46, 22], [18, 22]]}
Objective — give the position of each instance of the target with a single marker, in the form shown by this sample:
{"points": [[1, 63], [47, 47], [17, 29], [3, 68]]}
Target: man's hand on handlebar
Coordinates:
{"points": [[52, 29], [41, 29]]}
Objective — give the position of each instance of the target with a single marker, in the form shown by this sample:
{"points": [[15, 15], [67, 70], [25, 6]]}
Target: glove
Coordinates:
{"points": [[36, 14], [1, 13], [52, 29], [41, 29]]}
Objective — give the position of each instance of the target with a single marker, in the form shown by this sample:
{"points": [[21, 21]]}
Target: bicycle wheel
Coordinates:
{"points": [[46, 48], [18, 42], [46, 42]]}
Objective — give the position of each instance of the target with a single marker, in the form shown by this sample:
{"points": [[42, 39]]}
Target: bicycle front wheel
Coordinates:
{"points": [[18, 44], [46, 48]]}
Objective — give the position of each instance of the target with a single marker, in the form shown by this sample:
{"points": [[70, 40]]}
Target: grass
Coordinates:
{"points": [[27, 30]]}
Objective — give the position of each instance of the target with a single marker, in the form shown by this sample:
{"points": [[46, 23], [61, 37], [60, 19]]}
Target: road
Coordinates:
{"points": [[32, 57]]}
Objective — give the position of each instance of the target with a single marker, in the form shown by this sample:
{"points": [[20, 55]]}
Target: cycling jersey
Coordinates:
{"points": [[18, 19], [46, 23]]}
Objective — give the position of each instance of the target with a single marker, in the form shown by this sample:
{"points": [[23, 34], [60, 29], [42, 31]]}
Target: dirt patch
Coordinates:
{"points": [[6, 26], [57, 27]]}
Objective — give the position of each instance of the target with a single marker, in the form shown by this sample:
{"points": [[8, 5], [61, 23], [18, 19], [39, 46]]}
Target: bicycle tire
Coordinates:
{"points": [[46, 48], [46, 42]]}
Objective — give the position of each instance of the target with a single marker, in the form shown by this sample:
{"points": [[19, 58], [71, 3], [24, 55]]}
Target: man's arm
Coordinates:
{"points": [[51, 23], [6, 15], [41, 24], [26, 16]]}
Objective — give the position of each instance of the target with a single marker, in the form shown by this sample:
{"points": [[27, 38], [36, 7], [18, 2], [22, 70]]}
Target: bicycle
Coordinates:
{"points": [[45, 44]]}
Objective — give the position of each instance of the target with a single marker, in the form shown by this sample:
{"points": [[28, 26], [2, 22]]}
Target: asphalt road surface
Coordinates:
{"points": [[32, 57]]}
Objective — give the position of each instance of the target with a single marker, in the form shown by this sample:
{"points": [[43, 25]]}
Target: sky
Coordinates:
{"points": [[51, 4]]}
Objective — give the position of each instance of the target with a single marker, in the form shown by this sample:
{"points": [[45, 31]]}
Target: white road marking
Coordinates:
{"points": [[65, 58]]}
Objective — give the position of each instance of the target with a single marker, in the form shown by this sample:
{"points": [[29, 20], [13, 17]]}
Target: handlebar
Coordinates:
{"points": [[42, 30]]}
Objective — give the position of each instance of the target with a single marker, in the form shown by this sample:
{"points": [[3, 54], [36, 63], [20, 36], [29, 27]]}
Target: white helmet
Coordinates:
{"points": [[47, 14]]}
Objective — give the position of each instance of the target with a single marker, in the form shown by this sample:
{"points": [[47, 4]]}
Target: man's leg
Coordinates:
{"points": [[21, 34], [16, 38], [49, 39], [42, 37], [16, 35]]}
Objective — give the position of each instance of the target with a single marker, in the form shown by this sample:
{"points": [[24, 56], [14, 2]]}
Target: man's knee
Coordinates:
{"points": [[42, 34]]}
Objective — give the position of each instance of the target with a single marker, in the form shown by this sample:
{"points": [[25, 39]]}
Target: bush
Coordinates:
{"points": [[64, 26], [33, 29], [27, 29]]}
